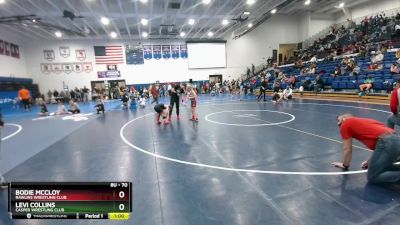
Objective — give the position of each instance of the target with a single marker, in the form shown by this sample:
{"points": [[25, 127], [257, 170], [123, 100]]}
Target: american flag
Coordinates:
{"points": [[109, 54]]}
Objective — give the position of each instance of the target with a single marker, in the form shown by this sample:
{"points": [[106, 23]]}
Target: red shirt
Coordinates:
{"points": [[394, 101], [365, 130]]}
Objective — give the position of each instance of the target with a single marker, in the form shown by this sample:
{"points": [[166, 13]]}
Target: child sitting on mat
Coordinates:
{"points": [[60, 109], [100, 105], [43, 108], [142, 102], [163, 113], [74, 107]]}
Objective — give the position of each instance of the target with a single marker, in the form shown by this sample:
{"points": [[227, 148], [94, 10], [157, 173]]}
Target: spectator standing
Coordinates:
{"points": [[25, 96]]}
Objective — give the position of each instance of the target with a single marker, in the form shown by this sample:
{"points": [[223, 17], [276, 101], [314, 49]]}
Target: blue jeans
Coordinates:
{"points": [[380, 167], [393, 120]]}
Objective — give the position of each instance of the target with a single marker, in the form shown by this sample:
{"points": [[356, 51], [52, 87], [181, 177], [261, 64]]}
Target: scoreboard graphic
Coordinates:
{"points": [[70, 200]]}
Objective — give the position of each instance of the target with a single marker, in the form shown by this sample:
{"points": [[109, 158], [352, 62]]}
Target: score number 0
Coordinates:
{"points": [[121, 206]]}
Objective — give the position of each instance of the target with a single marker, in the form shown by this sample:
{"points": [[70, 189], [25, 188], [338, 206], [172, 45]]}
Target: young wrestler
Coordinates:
{"points": [[163, 113], [100, 105], [142, 102], [43, 108], [73, 107], [193, 102]]}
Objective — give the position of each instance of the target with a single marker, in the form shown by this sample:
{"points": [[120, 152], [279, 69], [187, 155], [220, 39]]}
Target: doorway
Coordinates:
{"points": [[109, 88], [217, 78]]}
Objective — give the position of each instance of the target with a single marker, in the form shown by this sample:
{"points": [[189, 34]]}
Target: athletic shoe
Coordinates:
{"points": [[158, 122], [166, 123]]}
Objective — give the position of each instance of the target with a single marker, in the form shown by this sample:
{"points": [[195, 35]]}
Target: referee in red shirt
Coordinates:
{"points": [[377, 137], [394, 119]]}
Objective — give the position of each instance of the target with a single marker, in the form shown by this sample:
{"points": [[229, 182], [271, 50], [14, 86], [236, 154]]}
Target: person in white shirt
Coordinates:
{"points": [[313, 59], [378, 57], [142, 101], [288, 93]]}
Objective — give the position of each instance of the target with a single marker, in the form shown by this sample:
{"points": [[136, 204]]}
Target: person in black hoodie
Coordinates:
{"points": [[263, 88], [175, 91]]}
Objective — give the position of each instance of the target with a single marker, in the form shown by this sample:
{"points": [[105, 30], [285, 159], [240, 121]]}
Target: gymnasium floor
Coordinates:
{"points": [[244, 162]]}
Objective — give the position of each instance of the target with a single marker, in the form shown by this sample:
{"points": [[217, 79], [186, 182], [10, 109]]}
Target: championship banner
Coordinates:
{"points": [[64, 52], [134, 54], [1, 47], [111, 67], [14, 51], [88, 67], [147, 52], [175, 51], [49, 55], [78, 67], [67, 68], [166, 51], [157, 51], [184, 51], [45, 67], [57, 68], [80, 54], [7, 50], [108, 74]]}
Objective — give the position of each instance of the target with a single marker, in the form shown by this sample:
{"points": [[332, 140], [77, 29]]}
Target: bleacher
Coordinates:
{"points": [[14, 84]]}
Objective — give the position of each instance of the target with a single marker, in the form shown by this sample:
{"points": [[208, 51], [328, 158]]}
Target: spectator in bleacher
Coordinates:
{"points": [[394, 69], [378, 58], [350, 65], [376, 61], [291, 81], [356, 70], [337, 72], [307, 84], [398, 55], [367, 85], [278, 81], [394, 119], [319, 84], [25, 96], [253, 69], [345, 60], [313, 59], [312, 69], [299, 64]]}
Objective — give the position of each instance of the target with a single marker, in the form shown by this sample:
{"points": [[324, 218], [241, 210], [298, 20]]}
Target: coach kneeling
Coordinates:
{"points": [[377, 137]]}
